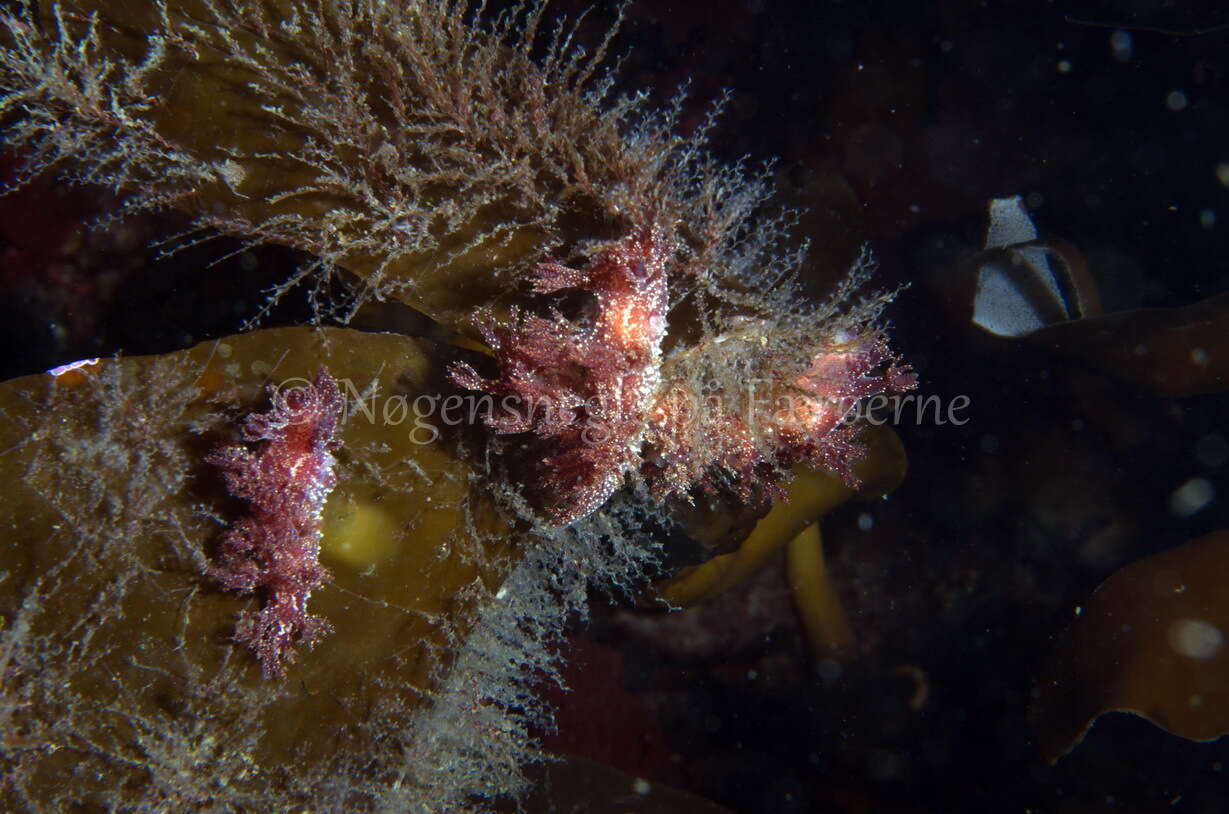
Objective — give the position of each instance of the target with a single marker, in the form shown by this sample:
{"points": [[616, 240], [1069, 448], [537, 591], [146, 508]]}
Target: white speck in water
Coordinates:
{"points": [[1196, 638], [1191, 497]]}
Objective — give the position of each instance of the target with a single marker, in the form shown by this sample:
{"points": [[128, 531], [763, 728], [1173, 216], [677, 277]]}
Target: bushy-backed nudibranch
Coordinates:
{"points": [[586, 387], [734, 410], [275, 549]]}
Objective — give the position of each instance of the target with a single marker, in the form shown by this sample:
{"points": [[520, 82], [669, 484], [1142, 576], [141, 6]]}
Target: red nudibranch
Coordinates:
{"points": [[599, 393], [588, 388], [275, 549], [750, 443]]}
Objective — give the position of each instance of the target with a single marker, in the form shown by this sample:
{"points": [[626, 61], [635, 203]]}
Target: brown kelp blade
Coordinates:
{"points": [[1174, 352], [810, 495], [1041, 292], [1151, 642]]}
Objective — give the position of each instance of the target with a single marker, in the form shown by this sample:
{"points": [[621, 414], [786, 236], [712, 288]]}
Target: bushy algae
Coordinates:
{"points": [[481, 169]]}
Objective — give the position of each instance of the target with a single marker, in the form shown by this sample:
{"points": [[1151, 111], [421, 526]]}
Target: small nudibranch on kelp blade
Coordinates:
{"points": [[275, 548], [612, 405]]}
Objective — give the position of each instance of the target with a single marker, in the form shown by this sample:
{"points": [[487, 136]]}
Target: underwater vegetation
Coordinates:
{"points": [[613, 340], [937, 649], [1094, 444]]}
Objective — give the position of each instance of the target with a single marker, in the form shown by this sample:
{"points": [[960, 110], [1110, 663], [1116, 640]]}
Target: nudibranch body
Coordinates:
{"points": [[587, 388], [275, 548], [749, 437], [735, 409]]}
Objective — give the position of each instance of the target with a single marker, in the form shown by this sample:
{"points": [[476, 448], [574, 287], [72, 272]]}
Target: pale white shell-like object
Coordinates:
{"points": [[1020, 287]]}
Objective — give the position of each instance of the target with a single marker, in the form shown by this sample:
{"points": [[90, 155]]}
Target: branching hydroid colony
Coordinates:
{"points": [[423, 148], [637, 296]]}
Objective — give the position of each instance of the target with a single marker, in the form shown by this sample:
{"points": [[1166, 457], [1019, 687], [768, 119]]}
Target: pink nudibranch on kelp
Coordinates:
{"points": [[599, 391], [755, 440], [588, 388], [275, 548]]}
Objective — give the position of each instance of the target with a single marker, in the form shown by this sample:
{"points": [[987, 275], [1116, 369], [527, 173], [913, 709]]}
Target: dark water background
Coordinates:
{"points": [[898, 122]]}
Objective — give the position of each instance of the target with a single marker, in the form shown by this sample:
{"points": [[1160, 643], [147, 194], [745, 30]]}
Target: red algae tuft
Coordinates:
{"points": [[275, 549]]}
